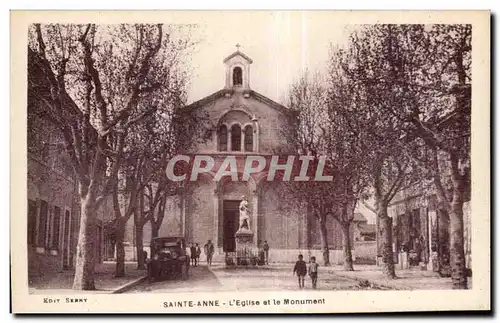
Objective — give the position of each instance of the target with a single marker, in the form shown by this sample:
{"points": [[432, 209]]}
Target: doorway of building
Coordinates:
{"points": [[230, 218]]}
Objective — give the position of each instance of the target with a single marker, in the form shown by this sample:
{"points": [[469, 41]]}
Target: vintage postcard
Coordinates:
{"points": [[250, 161]]}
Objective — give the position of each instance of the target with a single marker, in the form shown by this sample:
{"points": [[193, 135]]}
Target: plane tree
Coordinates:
{"points": [[418, 77], [370, 77], [307, 98], [92, 82], [346, 145]]}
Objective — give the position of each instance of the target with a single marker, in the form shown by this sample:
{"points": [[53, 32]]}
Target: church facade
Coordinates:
{"points": [[240, 122]]}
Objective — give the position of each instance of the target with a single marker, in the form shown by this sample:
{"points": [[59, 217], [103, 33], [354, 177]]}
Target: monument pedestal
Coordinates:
{"points": [[245, 250]]}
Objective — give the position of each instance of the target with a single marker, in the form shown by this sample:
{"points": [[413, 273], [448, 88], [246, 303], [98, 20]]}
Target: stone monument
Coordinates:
{"points": [[244, 236]]}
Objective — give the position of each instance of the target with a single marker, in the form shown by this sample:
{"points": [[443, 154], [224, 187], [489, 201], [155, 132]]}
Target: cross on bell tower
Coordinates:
{"points": [[238, 69]]}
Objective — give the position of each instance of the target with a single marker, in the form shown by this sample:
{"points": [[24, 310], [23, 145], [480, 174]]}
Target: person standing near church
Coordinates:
{"points": [[266, 251], [209, 251], [192, 251], [301, 270], [198, 253], [260, 253], [313, 271]]}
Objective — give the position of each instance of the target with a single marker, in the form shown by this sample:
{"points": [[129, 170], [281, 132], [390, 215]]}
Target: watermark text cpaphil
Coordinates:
{"points": [[298, 168]]}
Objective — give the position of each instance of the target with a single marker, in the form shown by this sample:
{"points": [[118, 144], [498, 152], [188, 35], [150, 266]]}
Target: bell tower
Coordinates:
{"points": [[238, 70]]}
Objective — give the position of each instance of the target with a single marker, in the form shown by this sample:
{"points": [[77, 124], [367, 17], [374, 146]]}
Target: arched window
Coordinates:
{"points": [[237, 76], [222, 138], [248, 138], [236, 138]]}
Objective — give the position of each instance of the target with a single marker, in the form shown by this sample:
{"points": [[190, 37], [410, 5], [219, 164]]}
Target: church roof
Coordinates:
{"points": [[366, 228], [240, 54], [358, 217], [214, 96]]}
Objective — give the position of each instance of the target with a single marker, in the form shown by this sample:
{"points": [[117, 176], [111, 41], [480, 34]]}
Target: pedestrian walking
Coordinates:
{"points": [[192, 251], [205, 251], [301, 270], [198, 253], [313, 271], [266, 251], [261, 258], [209, 251]]}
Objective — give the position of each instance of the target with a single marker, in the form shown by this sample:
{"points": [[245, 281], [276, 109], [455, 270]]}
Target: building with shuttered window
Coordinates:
{"points": [[53, 204]]}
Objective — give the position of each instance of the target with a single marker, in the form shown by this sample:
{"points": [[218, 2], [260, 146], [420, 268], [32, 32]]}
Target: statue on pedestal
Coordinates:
{"points": [[244, 236], [244, 217]]}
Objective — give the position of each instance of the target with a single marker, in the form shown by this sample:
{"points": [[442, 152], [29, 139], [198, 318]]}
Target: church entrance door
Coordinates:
{"points": [[230, 219]]}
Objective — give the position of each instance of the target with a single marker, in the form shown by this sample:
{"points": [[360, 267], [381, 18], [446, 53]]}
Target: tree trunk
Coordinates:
{"points": [[457, 254], [156, 224], [139, 232], [85, 262], [346, 245], [120, 248], [155, 228], [385, 233], [324, 242], [443, 240]]}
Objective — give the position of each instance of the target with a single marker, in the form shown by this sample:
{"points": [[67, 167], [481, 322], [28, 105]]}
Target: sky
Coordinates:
{"points": [[281, 45]]}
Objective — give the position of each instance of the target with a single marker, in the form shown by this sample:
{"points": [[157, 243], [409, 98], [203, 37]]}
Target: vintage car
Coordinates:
{"points": [[168, 259]]}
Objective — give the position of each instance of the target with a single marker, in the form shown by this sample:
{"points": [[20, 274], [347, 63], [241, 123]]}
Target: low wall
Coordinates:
{"points": [[366, 250], [290, 255]]}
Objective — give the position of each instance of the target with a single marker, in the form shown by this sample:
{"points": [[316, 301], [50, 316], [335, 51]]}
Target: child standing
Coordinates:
{"points": [[301, 270], [313, 271]]}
